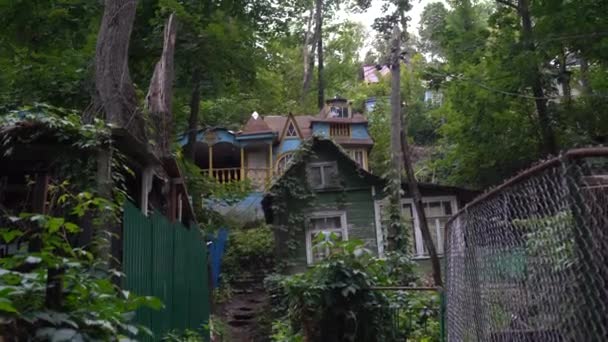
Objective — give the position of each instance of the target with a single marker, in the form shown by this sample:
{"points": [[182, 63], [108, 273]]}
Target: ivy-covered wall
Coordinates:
{"points": [[294, 202]]}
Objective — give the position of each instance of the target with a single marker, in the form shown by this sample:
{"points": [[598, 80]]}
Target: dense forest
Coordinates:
{"points": [[518, 79]]}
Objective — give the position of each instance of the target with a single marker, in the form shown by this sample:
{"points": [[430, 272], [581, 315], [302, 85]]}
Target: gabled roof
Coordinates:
{"points": [[256, 125], [277, 123], [326, 144], [373, 73]]}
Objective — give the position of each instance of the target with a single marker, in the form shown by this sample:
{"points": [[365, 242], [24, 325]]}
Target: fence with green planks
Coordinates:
{"points": [[168, 261]]}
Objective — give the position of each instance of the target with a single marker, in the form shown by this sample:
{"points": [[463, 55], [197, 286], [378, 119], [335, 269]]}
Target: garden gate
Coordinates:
{"points": [[168, 261], [528, 261]]}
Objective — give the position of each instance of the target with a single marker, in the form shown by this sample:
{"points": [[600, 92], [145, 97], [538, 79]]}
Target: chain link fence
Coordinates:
{"points": [[528, 261]]}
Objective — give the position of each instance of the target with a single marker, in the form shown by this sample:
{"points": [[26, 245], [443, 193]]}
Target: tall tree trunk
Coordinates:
{"points": [[115, 98], [564, 79], [419, 206], [396, 226], [160, 94], [319, 36], [195, 100], [308, 51], [114, 91], [549, 144]]}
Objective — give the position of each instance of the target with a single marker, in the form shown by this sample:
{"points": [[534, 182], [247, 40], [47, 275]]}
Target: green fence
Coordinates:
{"points": [[168, 261]]}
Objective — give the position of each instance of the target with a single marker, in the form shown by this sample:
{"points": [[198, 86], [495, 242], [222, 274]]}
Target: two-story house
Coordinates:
{"points": [[265, 145]]}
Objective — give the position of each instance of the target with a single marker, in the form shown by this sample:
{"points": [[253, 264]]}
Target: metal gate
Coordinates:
{"points": [[168, 261]]}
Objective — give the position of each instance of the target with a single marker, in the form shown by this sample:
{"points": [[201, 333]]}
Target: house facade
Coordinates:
{"points": [[328, 154], [266, 144], [347, 202]]}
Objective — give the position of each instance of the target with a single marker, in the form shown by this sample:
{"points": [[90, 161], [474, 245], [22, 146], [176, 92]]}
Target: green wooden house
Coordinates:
{"points": [[322, 191]]}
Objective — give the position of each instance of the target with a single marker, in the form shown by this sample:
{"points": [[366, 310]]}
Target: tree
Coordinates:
{"points": [[432, 20], [397, 227], [46, 49]]}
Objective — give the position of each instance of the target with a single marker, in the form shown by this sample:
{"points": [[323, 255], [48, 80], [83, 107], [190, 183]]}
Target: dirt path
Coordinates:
{"points": [[241, 313]]}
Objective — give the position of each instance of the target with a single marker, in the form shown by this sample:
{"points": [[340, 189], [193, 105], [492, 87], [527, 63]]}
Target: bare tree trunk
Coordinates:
{"points": [[564, 79], [103, 226], [195, 99], [549, 143], [160, 93], [308, 51], [396, 225], [419, 206], [115, 94], [319, 36]]}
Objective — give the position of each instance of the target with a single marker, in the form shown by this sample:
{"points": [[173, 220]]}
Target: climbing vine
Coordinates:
{"points": [[292, 196]]}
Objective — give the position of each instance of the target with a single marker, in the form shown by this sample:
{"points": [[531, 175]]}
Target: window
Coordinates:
{"points": [[338, 112], [358, 156], [283, 162], [322, 227], [437, 209], [291, 130], [323, 175]]}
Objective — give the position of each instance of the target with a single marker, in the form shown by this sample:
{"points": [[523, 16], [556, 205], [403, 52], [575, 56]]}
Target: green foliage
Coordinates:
{"points": [[490, 123], [91, 306], [333, 300], [46, 48], [29, 123], [283, 332], [248, 250], [185, 336]]}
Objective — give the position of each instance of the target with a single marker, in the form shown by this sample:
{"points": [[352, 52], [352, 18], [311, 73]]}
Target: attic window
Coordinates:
{"points": [[323, 175], [291, 130]]}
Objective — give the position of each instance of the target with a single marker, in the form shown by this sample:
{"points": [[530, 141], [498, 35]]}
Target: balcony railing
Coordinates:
{"points": [[339, 130], [259, 177]]}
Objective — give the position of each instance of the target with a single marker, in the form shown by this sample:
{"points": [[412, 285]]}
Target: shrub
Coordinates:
{"points": [[334, 299], [90, 305], [248, 249]]}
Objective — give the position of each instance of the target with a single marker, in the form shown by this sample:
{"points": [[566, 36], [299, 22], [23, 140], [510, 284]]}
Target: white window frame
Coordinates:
{"points": [[310, 231], [418, 244], [418, 240], [286, 155], [353, 155]]}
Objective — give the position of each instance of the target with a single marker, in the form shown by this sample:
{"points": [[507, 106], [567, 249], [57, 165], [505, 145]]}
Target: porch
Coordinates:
{"points": [[228, 161]]}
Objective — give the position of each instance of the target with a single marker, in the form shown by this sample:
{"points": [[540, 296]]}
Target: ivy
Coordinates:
{"points": [[27, 124], [91, 306], [292, 197]]}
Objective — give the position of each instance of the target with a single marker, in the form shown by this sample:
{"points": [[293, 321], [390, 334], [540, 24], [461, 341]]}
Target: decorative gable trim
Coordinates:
{"points": [[291, 125]]}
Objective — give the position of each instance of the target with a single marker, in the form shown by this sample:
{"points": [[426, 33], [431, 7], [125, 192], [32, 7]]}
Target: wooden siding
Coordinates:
{"points": [[354, 197]]}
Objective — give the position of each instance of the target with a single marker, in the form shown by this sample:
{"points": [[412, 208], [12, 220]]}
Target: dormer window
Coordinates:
{"points": [[337, 108], [291, 130], [338, 112]]}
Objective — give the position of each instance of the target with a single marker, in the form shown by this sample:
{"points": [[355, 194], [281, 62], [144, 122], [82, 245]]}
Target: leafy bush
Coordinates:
{"points": [[248, 249], [89, 306], [335, 300]]}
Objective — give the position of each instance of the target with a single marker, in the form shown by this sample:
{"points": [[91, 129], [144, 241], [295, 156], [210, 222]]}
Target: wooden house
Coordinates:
{"points": [[348, 201], [266, 144]]}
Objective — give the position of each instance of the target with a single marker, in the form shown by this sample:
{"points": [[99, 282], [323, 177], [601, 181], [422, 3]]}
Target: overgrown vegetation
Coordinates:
{"points": [[334, 300], [61, 292]]}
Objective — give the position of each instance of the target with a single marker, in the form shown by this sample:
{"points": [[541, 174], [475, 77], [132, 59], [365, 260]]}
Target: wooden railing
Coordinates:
{"points": [[339, 130], [226, 175], [259, 177]]}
